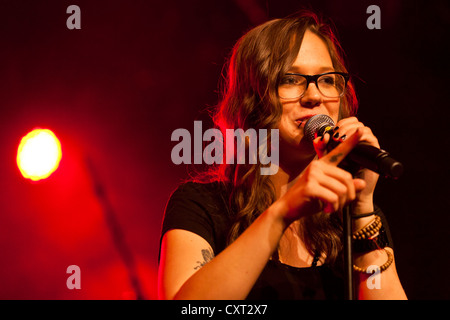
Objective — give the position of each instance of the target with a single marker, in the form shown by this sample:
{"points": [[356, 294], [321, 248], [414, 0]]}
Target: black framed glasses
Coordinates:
{"points": [[329, 84]]}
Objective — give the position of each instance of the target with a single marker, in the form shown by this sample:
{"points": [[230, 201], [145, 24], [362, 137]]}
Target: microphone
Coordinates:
{"points": [[363, 155]]}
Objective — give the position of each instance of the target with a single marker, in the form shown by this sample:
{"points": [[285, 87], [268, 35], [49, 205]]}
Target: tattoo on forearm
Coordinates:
{"points": [[208, 255], [336, 157]]}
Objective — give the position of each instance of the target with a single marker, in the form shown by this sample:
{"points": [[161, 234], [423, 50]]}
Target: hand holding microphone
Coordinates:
{"points": [[363, 155], [322, 186]]}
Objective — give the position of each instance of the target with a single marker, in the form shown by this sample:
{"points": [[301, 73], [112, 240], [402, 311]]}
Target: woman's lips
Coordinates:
{"points": [[302, 121]]}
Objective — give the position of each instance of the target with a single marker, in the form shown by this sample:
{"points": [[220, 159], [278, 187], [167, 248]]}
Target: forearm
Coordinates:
{"points": [[232, 273], [379, 286]]}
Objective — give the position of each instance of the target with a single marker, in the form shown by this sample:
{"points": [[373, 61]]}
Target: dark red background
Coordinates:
{"points": [[114, 91]]}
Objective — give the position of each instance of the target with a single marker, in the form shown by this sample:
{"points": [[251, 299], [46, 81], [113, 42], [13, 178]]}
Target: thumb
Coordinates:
{"points": [[359, 184]]}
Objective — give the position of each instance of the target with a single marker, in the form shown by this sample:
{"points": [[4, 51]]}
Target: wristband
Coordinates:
{"points": [[362, 215]]}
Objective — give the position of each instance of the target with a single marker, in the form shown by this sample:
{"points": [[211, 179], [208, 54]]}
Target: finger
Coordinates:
{"points": [[341, 151], [320, 144], [328, 199], [343, 193], [329, 208], [346, 121], [336, 180], [340, 182], [347, 130], [349, 125]]}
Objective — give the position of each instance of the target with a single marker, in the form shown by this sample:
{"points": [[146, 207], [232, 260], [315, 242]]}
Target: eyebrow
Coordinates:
{"points": [[323, 69]]}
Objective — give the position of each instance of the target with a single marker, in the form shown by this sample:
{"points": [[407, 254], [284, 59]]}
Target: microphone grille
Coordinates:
{"points": [[314, 123]]}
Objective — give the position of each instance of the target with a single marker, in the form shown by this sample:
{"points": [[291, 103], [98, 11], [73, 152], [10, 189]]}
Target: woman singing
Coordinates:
{"points": [[233, 233]]}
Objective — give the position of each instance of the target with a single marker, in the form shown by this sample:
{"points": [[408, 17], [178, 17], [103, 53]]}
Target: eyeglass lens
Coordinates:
{"points": [[294, 86]]}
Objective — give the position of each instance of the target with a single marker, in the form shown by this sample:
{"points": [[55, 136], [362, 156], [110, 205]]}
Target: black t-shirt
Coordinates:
{"points": [[202, 209]]}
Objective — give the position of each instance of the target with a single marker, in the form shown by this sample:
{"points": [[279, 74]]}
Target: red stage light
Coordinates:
{"points": [[39, 154]]}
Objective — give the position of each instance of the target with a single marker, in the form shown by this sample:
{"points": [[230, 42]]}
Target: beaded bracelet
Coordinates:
{"points": [[369, 230], [375, 243], [382, 268]]}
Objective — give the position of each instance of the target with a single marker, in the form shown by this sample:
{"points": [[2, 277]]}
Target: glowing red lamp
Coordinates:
{"points": [[39, 154]]}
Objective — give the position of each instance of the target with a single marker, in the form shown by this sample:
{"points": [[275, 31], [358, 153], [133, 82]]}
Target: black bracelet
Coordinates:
{"points": [[362, 215]]}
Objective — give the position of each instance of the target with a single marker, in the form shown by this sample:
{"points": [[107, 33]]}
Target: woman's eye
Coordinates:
{"points": [[327, 80], [290, 80]]}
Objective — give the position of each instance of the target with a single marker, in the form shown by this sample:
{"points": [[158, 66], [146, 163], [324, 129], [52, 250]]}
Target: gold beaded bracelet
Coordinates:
{"points": [[382, 268], [369, 230]]}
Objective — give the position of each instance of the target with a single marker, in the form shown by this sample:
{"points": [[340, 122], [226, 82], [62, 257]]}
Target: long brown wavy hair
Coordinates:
{"points": [[250, 100]]}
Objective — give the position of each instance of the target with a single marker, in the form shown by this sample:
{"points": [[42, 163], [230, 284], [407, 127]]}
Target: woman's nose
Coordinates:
{"points": [[312, 96]]}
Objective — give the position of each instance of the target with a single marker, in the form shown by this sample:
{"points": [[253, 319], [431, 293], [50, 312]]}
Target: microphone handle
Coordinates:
{"points": [[372, 158]]}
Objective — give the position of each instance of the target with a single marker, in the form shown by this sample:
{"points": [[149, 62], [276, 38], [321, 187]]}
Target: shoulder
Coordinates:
{"points": [[193, 187], [196, 193], [201, 208]]}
